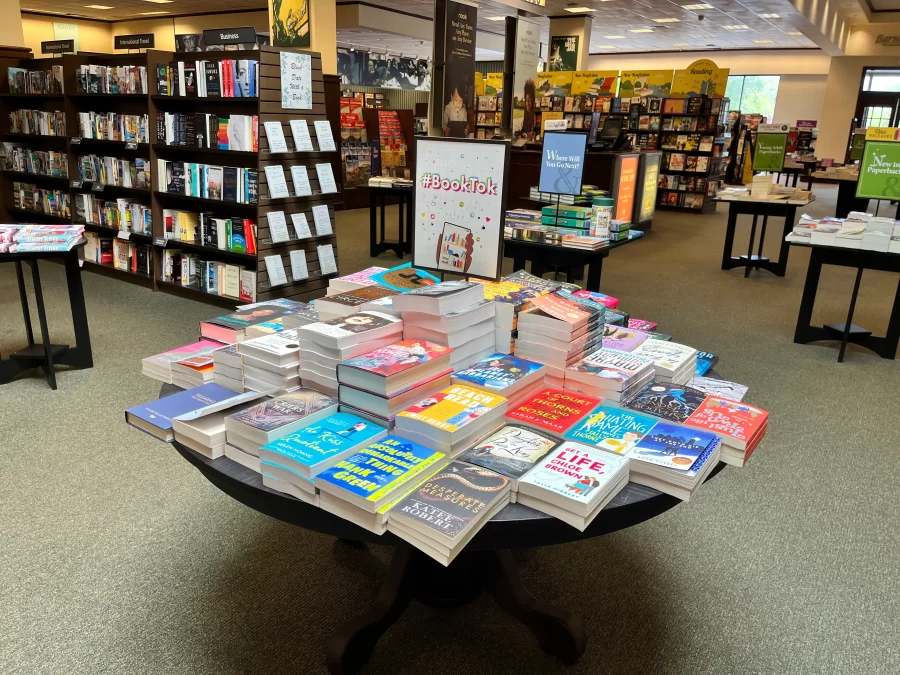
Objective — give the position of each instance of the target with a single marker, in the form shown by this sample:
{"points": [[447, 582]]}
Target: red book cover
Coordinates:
{"points": [[397, 357], [736, 423], [561, 308], [553, 410]]}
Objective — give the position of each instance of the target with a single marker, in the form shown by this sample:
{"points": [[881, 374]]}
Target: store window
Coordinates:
{"points": [[881, 79], [753, 94]]}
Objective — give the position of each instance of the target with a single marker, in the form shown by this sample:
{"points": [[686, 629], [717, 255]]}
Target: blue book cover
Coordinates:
{"points": [[705, 361], [404, 278], [611, 429], [159, 413], [497, 372], [672, 446], [377, 470], [325, 439]]}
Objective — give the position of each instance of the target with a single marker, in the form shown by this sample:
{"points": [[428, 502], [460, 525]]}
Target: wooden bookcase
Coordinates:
{"points": [[266, 106]]}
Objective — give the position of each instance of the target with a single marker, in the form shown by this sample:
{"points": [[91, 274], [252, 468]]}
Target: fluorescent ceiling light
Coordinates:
{"points": [[151, 13], [641, 30], [770, 16], [763, 42], [606, 46], [739, 26], [490, 18], [700, 6], [669, 20], [614, 37], [99, 7], [795, 32], [578, 10], [159, 2], [681, 44]]}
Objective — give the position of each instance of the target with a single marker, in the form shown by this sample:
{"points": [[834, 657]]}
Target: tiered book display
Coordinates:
{"points": [[163, 160], [692, 138]]}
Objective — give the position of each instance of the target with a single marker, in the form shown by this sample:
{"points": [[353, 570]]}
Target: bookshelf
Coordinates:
{"points": [[694, 145], [266, 106]]}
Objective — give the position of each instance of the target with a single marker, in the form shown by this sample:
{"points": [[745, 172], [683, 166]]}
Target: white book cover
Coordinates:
{"points": [[326, 178], [277, 183], [573, 472], [323, 134], [301, 225], [278, 229], [299, 269], [275, 136], [327, 263], [278, 344], [302, 139], [667, 355], [275, 268], [299, 175], [322, 220]]}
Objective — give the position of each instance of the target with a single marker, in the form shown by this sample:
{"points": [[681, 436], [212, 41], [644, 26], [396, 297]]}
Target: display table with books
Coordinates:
{"points": [[45, 355], [378, 198]]}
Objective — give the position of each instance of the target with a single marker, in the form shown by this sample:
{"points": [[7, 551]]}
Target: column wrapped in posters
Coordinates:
{"points": [[458, 116], [524, 110], [459, 205]]}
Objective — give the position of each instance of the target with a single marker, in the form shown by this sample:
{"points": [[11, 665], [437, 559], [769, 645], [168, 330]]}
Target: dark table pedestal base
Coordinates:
{"points": [[412, 574], [752, 261]]}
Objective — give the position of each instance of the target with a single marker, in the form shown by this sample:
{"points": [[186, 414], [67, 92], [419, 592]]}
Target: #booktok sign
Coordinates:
{"points": [[459, 206]]}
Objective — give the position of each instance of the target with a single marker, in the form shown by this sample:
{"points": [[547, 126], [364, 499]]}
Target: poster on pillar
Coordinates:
{"points": [[291, 23], [459, 205], [563, 52], [524, 111], [458, 117]]}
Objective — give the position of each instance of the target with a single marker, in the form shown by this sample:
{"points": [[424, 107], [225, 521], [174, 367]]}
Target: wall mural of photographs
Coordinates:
{"points": [[368, 69], [194, 42]]}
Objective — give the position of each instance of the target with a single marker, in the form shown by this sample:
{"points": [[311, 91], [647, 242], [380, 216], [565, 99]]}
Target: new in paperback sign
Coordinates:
{"points": [[562, 163], [770, 148], [459, 204], [879, 171]]}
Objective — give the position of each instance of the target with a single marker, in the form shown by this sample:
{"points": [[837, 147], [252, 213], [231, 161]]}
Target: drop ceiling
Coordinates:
{"points": [[120, 10]]}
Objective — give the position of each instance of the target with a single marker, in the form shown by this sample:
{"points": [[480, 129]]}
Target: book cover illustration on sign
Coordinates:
{"points": [[672, 446], [672, 402], [455, 246]]}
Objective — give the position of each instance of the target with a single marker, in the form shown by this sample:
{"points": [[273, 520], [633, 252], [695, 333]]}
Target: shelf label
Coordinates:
{"points": [[76, 184], [131, 145], [75, 140], [124, 234], [160, 241], [97, 187]]}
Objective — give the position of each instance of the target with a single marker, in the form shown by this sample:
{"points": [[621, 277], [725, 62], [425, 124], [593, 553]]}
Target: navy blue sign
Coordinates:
{"points": [[562, 164]]}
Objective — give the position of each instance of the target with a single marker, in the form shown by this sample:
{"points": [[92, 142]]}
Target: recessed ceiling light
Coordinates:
{"points": [[700, 6], [739, 26], [681, 44], [770, 16], [795, 32], [151, 13], [763, 42], [159, 2], [99, 7], [614, 37], [641, 30], [606, 46], [668, 20], [578, 10], [490, 18]]}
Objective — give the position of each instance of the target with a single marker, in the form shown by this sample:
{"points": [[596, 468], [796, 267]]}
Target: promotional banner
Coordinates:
{"points": [[564, 52], [290, 23], [458, 116], [368, 69], [528, 47], [701, 78], [879, 171], [645, 83], [594, 82], [459, 205], [627, 185], [882, 133], [493, 84], [651, 162], [554, 84], [770, 149], [562, 163]]}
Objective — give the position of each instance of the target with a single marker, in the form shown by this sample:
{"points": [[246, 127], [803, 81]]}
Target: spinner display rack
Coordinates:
{"points": [[266, 106], [717, 156]]}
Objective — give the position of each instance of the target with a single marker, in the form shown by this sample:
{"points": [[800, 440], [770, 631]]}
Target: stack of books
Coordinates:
{"points": [[452, 419], [297, 318], [273, 418], [557, 332], [291, 464], [509, 298], [389, 379], [159, 367], [193, 371], [623, 339], [363, 487], [444, 513], [553, 411], [674, 459], [574, 482], [673, 362], [740, 426], [611, 429], [155, 417], [452, 313], [231, 328], [610, 374], [271, 362], [204, 430], [512, 451], [504, 374], [325, 344], [351, 302], [576, 218], [228, 369], [351, 282]]}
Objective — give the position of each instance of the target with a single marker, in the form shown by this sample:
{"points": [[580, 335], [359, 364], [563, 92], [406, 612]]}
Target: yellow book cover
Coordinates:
{"points": [[452, 408]]}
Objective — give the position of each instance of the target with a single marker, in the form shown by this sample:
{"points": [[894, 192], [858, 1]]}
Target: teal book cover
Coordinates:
{"points": [[612, 429], [328, 438]]}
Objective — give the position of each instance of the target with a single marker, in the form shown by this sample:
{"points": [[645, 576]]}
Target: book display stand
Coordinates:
{"points": [[266, 106]]}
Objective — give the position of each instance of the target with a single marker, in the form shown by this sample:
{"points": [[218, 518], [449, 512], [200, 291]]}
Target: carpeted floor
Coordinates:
{"points": [[117, 557]]}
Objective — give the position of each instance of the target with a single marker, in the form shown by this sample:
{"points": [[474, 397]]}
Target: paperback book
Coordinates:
{"points": [[672, 446], [672, 402], [512, 451], [553, 411], [611, 429]]}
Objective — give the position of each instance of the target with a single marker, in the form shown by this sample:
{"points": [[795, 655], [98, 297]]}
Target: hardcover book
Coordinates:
{"points": [[737, 423], [611, 429], [672, 402], [553, 410], [623, 339], [396, 358], [284, 410], [512, 450], [497, 372], [672, 446], [452, 408]]}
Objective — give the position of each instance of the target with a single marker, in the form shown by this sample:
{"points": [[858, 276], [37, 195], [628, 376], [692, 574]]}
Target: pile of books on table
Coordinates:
{"points": [[858, 230], [364, 416], [25, 238]]}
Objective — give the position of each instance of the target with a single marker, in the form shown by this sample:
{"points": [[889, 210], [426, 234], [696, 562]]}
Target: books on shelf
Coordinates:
{"points": [[31, 122], [37, 162], [225, 78], [359, 487], [121, 214], [25, 81], [97, 79], [116, 171], [574, 482], [114, 127], [206, 181], [156, 417], [441, 515], [208, 130], [28, 197]]}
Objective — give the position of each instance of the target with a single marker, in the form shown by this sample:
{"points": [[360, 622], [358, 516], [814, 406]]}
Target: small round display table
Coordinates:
{"points": [[485, 564]]}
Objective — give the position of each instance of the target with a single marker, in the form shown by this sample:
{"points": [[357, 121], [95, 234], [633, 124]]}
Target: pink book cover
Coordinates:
{"points": [[181, 353], [363, 276]]}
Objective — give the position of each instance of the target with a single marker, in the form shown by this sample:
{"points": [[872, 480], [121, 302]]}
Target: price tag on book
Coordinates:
{"points": [[131, 145], [76, 184], [97, 187], [124, 234], [160, 241], [75, 140], [301, 225]]}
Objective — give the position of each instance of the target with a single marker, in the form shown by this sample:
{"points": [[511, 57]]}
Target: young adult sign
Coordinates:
{"points": [[459, 205], [562, 162], [879, 171], [771, 144]]}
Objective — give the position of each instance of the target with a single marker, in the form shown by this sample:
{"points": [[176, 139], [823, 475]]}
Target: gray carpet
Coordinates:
{"points": [[117, 557]]}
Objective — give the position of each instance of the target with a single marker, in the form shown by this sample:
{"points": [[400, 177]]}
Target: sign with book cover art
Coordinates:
{"points": [[657, 83], [594, 83], [770, 149], [290, 23], [562, 163], [563, 52], [879, 171], [459, 205], [458, 101], [524, 108], [554, 84], [701, 78]]}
